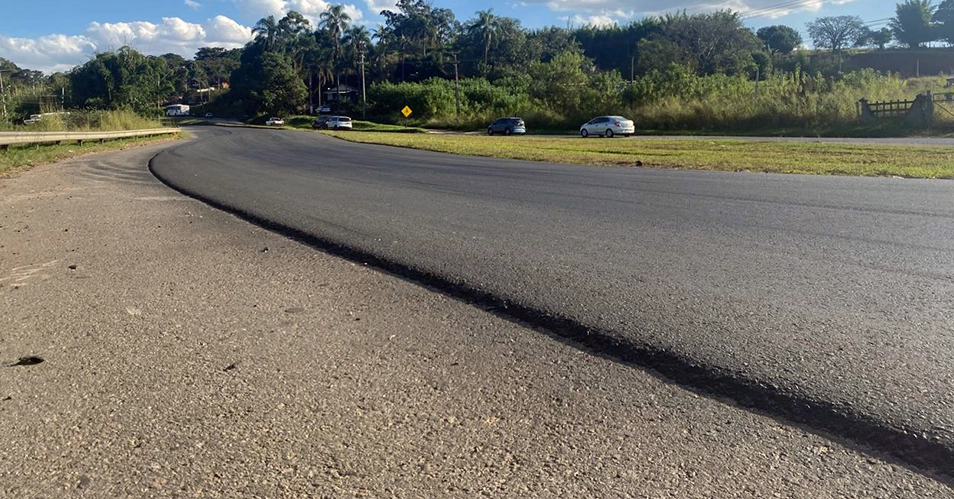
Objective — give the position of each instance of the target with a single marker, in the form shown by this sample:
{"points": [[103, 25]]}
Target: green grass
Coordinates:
{"points": [[20, 157], [700, 154], [304, 122]]}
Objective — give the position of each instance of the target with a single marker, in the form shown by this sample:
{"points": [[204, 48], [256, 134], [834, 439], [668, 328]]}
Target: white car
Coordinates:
{"points": [[275, 121], [339, 123], [608, 126]]}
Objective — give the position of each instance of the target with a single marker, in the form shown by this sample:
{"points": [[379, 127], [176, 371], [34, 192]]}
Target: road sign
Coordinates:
{"points": [[406, 111]]}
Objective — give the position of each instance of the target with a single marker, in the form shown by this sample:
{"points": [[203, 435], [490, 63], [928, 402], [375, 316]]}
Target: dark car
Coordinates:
{"points": [[507, 126], [320, 121]]}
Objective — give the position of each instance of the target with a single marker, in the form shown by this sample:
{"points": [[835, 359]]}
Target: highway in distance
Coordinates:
{"points": [[825, 300]]}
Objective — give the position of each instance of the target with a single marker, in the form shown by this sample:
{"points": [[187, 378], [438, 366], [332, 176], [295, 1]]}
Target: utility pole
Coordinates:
{"points": [[757, 78], [364, 96], [3, 95], [456, 85], [158, 99]]}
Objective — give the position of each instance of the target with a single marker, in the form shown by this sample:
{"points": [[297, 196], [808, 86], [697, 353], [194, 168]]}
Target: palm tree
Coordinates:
{"points": [[335, 20], [266, 32], [357, 39], [486, 26]]}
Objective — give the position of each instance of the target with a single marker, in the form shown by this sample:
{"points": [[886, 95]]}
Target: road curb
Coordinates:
{"points": [[904, 445]]}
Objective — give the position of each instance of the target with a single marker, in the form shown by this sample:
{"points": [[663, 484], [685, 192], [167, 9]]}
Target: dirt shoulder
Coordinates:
{"points": [[187, 353]]}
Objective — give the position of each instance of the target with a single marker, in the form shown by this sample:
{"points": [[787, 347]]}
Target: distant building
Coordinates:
{"points": [[177, 110], [344, 93]]}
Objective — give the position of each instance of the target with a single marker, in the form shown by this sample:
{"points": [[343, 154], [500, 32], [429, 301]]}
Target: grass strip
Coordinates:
{"points": [[21, 157], [814, 158]]}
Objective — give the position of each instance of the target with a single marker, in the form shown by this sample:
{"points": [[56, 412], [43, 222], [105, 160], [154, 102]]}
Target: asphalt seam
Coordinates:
{"points": [[928, 457]]}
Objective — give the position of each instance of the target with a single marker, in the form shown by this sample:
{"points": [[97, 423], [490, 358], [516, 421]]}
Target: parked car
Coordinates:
{"points": [[608, 126], [320, 121], [339, 123], [507, 126], [324, 109], [208, 116], [275, 121]]}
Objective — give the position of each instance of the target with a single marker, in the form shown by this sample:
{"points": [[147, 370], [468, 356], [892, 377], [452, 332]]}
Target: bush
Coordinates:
{"points": [[562, 94]]}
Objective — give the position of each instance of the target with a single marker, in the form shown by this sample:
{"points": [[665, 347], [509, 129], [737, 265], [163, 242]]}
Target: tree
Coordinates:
{"points": [[871, 38], [335, 21], [267, 83], [218, 63], [292, 25], [882, 37], [711, 43], [266, 32], [835, 32], [485, 26], [357, 40], [944, 21], [779, 39], [282, 91], [418, 25], [912, 22], [562, 82]]}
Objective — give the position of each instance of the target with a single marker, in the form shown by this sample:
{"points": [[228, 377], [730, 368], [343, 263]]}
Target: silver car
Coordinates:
{"points": [[608, 126], [339, 123], [507, 126]]}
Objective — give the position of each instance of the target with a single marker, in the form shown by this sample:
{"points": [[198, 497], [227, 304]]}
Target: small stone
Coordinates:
{"points": [[30, 360], [72, 267], [231, 366], [294, 310]]}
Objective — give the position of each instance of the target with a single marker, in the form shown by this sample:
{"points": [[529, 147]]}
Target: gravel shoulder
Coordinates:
{"points": [[188, 353]]}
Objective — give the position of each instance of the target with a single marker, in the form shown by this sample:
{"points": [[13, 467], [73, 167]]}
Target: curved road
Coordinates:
{"points": [[827, 300]]}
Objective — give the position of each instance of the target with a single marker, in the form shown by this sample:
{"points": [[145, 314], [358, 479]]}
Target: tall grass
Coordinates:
{"points": [[675, 100], [783, 102], [89, 120]]}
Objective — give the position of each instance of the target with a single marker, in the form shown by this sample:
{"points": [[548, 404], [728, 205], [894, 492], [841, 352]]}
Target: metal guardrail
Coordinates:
{"points": [[9, 138]]}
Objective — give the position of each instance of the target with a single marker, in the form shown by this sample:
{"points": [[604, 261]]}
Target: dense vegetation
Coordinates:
{"points": [[705, 72]]}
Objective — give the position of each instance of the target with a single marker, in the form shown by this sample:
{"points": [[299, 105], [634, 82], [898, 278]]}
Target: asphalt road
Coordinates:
{"points": [[824, 299], [190, 354]]}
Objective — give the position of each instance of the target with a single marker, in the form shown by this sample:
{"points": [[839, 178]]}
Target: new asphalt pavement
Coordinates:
{"points": [[824, 300]]}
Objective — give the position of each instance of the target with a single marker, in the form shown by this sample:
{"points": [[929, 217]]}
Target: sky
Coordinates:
{"points": [[56, 35]]}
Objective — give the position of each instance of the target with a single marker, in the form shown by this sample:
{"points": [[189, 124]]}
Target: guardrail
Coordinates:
{"points": [[9, 138]]}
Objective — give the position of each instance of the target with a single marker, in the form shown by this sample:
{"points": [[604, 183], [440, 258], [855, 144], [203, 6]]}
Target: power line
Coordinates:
{"points": [[781, 7], [777, 8]]}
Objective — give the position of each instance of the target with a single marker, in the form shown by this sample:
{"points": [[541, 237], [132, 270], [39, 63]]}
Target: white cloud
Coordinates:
{"points": [[586, 9], [61, 52], [227, 32], [48, 53], [596, 20], [255, 9], [376, 6], [311, 9], [192, 4]]}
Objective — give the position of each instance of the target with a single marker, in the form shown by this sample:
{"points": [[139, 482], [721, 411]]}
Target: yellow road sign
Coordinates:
{"points": [[406, 111]]}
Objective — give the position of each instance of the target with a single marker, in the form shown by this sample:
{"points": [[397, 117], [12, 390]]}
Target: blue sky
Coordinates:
{"points": [[57, 34]]}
